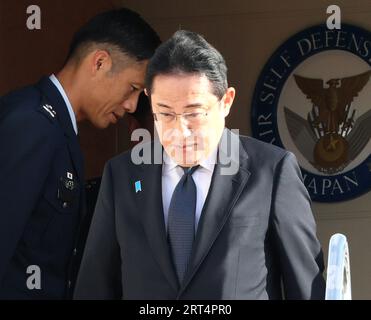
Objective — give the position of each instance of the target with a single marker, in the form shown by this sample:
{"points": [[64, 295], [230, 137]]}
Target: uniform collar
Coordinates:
{"points": [[53, 97], [56, 82]]}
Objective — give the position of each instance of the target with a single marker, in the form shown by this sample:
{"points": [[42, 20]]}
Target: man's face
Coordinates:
{"points": [[115, 93], [189, 138]]}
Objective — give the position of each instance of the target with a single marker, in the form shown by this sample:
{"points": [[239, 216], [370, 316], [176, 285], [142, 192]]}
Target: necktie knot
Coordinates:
{"points": [[189, 170]]}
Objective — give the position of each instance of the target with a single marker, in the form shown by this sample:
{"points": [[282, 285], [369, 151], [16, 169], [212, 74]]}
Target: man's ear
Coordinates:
{"points": [[100, 61], [146, 92], [228, 100]]}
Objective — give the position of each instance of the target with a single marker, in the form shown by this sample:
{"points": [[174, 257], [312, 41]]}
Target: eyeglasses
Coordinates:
{"points": [[193, 118]]}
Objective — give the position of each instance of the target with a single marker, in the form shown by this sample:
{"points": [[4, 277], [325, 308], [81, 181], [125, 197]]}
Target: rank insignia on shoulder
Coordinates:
{"points": [[49, 109]]}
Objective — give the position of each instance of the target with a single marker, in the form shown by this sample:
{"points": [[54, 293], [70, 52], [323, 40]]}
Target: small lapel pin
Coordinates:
{"points": [[138, 186], [69, 175]]}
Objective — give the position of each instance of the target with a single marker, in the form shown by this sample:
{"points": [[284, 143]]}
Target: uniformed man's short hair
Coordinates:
{"points": [[188, 52], [119, 30]]}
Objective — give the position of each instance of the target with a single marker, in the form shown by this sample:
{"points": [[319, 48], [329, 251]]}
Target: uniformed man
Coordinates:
{"points": [[42, 226]]}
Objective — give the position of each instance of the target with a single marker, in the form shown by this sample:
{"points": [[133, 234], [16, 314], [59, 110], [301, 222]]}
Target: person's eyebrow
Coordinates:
{"points": [[192, 105]]}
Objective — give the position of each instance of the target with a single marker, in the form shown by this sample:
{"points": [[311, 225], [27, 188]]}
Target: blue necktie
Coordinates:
{"points": [[181, 221]]}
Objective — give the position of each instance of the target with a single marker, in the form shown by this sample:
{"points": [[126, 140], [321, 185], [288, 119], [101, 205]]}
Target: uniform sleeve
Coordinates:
{"points": [[294, 229], [99, 276], [26, 151]]}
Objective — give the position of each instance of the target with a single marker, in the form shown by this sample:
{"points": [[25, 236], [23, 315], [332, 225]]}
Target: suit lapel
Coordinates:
{"points": [[52, 96], [222, 196], [153, 218]]}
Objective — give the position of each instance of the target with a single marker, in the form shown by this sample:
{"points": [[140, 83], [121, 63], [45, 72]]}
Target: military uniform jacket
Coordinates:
{"points": [[41, 194]]}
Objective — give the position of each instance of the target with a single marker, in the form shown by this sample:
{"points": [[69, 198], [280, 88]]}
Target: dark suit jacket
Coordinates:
{"points": [[255, 233], [38, 148]]}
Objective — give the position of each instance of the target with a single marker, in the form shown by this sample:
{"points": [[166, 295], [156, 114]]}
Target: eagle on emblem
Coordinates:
{"points": [[332, 101], [330, 137]]}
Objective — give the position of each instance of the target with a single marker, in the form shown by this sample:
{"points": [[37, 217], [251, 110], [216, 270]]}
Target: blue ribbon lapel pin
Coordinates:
{"points": [[138, 186]]}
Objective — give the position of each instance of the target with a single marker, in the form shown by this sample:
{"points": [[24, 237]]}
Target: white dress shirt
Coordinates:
{"points": [[56, 82], [172, 173]]}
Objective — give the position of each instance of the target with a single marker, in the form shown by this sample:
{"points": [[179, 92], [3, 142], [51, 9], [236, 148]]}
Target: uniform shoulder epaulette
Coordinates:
{"points": [[48, 111]]}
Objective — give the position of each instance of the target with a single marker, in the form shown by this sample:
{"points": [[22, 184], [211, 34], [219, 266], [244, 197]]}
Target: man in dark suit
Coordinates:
{"points": [[219, 216], [42, 214]]}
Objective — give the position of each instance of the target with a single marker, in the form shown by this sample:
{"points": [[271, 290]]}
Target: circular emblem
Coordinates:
{"points": [[313, 98], [69, 184]]}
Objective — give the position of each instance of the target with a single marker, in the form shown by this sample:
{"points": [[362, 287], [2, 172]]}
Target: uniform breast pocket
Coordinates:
{"points": [[59, 201], [64, 197]]}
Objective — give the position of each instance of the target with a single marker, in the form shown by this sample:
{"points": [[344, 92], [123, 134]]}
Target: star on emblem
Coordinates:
{"points": [[332, 144]]}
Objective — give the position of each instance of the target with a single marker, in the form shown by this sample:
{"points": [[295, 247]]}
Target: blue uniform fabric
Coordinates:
{"points": [[41, 193]]}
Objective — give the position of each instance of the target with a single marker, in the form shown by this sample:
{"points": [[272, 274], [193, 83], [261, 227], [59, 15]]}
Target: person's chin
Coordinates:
{"points": [[108, 120], [103, 123]]}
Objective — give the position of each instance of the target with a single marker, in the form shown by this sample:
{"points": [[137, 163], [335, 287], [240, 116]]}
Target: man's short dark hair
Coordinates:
{"points": [[188, 52], [121, 29]]}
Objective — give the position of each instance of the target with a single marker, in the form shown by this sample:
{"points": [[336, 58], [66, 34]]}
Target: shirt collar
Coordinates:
{"points": [[207, 163], [56, 82]]}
